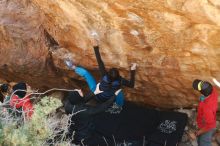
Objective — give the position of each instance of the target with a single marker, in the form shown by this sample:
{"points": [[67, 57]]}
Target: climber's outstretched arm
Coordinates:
{"points": [[99, 61], [130, 83]]}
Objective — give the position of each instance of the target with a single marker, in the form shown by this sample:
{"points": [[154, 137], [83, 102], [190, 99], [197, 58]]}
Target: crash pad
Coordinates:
{"points": [[137, 125]]}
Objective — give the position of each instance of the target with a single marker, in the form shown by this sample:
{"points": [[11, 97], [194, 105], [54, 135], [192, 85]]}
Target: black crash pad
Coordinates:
{"points": [[137, 125]]}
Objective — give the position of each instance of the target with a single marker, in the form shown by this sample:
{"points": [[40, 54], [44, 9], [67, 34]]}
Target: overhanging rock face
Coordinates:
{"points": [[172, 41]]}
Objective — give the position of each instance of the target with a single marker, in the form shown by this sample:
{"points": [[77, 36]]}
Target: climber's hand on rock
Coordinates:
{"points": [[133, 66], [95, 38]]}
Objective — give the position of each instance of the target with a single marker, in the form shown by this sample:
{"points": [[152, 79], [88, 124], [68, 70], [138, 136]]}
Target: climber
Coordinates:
{"points": [[81, 124], [20, 102], [207, 108], [111, 80], [108, 87]]}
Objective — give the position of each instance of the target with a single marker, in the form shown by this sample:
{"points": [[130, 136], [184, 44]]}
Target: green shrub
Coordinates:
{"points": [[29, 133]]}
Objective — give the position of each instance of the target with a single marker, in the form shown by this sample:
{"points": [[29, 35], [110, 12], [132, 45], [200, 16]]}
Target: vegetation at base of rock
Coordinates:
{"points": [[17, 132]]}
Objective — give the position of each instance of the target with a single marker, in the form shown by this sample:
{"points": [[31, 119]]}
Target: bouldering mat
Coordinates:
{"points": [[137, 125]]}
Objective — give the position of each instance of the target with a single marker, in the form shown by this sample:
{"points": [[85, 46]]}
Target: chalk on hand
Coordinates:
{"points": [[94, 34]]}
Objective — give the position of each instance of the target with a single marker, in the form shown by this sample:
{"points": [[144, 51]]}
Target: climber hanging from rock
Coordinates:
{"points": [[111, 81]]}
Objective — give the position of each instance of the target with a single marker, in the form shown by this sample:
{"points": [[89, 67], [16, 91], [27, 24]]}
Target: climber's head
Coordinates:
{"points": [[20, 86], [203, 87], [113, 74]]}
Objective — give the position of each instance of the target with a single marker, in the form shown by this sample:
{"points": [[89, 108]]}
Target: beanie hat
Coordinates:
{"points": [[20, 86], [203, 87]]}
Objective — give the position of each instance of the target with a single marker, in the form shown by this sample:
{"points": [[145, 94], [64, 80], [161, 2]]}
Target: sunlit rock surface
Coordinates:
{"points": [[173, 42]]}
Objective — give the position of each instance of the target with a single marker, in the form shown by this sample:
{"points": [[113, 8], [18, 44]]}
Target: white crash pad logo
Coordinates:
{"points": [[167, 126]]}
